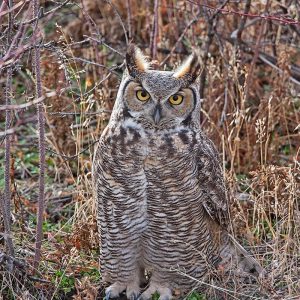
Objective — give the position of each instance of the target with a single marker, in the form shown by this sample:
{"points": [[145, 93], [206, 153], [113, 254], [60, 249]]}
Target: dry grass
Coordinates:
{"points": [[250, 110]]}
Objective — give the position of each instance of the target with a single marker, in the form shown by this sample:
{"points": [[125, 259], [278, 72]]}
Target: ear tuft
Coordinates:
{"points": [[136, 61], [189, 70]]}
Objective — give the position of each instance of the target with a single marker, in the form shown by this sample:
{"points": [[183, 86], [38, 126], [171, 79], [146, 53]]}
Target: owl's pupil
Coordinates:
{"points": [[175, 97], [143, 94]]}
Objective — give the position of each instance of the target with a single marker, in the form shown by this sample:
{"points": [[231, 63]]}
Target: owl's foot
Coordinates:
{"points": [[164, 292], [133, 291], [114, 290]]}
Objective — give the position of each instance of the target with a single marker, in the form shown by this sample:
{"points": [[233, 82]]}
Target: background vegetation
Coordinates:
{"points": [[61, 63]]}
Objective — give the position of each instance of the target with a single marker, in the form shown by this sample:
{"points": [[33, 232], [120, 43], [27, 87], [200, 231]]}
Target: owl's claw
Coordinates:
{"points": [[165, 292], [107, 295], [114, 290], [133, 296]]}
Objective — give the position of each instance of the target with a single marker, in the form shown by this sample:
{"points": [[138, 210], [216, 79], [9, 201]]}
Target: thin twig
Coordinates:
{"points": [[27, 104], [11, 260], [287, 21], [180, 39], [101, 42], [256, 54], [72, 156], [212, 22], [153, 47], [265, 60], [120, 19], [43, 14], [243, 21], [13, 8], [129, 20], [13, 44], [63, 113]]}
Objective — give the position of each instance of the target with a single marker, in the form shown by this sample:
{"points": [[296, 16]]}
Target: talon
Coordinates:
{"points": [[141, 297], [107, 295], [134, 296]]}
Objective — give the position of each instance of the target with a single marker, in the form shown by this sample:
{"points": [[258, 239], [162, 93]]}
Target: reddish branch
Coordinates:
{"points": [[224, 11], [41, 130], [13, 8], [6, 201], [13, 55]]}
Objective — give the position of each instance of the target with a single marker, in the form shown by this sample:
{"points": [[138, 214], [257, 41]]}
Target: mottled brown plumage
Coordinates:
{"points": [[162, 203]]}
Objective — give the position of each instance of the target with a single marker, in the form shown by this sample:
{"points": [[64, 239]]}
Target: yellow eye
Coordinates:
{"points": [[176, 99], [142, 95]]}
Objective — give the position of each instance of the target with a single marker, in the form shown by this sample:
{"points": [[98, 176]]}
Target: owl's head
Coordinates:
{"points": [[160, 99]]}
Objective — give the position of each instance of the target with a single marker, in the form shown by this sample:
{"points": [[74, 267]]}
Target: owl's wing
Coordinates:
{"points": [[215, 198]]}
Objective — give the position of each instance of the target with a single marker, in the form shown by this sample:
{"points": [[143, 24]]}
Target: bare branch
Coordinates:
{"points": [[283, 20], [212, 22], [120, 19], [10, 260], [10, 10], [6, 202], [243, 21], [153, 47], [41, 129], [256, 52], [129, 20], [27, 104], [193, 21], [43, 14]]}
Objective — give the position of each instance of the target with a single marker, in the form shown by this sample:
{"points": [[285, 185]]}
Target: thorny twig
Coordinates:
{"points": [[287, 21], [13, 45], [41, 130], [6, 201]]}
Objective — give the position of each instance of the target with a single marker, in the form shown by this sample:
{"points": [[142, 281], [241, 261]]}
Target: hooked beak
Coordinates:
{"points": [[157, 114]]}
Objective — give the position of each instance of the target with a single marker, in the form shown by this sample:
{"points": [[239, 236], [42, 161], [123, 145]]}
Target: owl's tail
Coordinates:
{"points": [[235, 257]]}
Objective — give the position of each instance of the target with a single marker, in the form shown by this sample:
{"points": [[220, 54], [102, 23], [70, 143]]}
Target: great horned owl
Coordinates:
{"points": [[162, 204]]}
